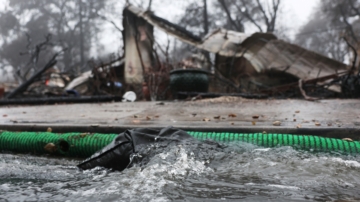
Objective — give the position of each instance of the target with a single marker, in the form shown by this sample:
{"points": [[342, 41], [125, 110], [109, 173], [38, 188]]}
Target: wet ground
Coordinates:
{"points": [[334, 118], [188, 173]]}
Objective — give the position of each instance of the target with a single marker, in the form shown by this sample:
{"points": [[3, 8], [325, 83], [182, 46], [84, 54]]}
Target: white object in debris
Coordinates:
{"points": [[129, 96], [79, 80]]}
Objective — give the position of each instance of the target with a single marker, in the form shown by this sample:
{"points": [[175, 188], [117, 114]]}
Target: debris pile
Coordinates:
{"points": [[252, 66]]}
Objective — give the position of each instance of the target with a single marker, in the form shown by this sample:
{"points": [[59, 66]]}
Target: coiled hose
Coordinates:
{"points": [[86, 144]]}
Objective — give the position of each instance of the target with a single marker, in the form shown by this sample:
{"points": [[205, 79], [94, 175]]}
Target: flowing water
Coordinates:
{"points": [[188, 173]]}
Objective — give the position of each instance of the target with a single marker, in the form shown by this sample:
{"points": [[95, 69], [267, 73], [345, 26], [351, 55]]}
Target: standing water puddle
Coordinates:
{"points": [[190, 173]]}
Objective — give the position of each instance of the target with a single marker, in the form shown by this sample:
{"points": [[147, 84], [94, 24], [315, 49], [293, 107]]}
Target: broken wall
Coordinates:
{"points": [[138, 43]]}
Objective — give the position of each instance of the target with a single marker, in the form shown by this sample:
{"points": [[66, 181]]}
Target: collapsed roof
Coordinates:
{"points": [[220, 41]]}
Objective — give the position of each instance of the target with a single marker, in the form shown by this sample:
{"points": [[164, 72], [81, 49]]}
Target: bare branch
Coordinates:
{"points": [[273, 15], [353, 67], [149, 6], [303, 93], [349, 26], [223, 5], [266, 19], [112, 22], [351, 3], [248, 16]]}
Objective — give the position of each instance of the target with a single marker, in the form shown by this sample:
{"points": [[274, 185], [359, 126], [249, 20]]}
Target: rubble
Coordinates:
{"points": [[253, 63], [257, 65]]}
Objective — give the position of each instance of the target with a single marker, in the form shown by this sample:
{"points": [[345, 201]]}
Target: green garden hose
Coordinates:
{"points": [[306, 142], [86, 144], [68, 144]]}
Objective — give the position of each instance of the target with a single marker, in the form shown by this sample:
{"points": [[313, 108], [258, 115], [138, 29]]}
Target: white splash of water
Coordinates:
{"points": [[262, 150], [145, 183], [284, 186], [347, 163]]}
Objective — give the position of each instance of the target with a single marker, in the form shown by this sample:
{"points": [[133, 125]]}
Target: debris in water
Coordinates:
{"points": [[136, 116], [253, 123], [317, 124], [298, 125], [255, 116], [294, 120], [232, 124], [348, 139], [50, 147], [232, 115], [206, 119], [5, 115], [194, 114], [148, 118], [217, 117], [49, 130], [276, 123], [329, 124], [136, 121], [297, 111]]}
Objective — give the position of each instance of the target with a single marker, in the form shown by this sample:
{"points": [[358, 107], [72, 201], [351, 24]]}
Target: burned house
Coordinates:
{"points": [[243, 62]]}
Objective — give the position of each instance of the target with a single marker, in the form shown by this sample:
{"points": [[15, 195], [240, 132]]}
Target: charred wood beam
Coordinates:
{"points": [[26, 84], [181, 30], [120, 58], [34, 54]]}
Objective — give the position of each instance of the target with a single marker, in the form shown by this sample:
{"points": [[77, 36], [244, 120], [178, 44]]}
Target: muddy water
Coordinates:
{"points": [[188, 173]]}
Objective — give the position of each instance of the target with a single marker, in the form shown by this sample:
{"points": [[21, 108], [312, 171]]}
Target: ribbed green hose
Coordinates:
{"points": [[305, 142], [86, 144], [68, 144]]}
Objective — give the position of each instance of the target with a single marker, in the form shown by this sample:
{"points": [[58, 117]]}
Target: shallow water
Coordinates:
{"points": [[188, 173]]}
